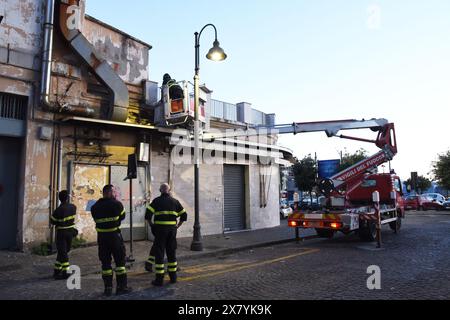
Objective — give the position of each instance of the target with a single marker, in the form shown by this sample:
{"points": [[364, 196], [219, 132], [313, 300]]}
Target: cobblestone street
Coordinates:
{"points": [[414, 265]]}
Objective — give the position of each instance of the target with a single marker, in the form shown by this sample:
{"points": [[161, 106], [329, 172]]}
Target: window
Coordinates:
{"points": [[398, 185], [369, 184], [13, 106]]}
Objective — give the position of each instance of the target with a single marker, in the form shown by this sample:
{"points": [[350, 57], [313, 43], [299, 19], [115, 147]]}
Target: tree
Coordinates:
{"points": [[423, 183], [441, 170], [349, 159], [305, 173]]}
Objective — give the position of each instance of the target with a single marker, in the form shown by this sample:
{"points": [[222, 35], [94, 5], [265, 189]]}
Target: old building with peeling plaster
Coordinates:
{"points": [[76, 100]]}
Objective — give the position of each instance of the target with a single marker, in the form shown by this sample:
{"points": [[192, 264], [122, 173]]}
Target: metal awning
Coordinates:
{"points": [[107, 122]]}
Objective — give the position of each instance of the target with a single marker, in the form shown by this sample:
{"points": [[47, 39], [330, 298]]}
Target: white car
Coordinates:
{"points": [[285, 211]]}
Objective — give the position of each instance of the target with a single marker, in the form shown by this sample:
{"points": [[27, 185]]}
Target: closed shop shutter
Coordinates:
{"points": [[234, 202], [9, 175]]}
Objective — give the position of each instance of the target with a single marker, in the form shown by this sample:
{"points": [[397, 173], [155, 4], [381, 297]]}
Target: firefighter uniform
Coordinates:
{"points": [[64, 220], [108, 215], [151, 259], [165, 211]]}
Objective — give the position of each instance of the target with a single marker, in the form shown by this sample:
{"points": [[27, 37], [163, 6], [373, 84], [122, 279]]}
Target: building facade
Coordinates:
{"points": [[76, 101]]}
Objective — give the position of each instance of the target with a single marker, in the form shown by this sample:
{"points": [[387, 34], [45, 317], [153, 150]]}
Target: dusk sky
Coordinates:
{"points": [[312, 61]]}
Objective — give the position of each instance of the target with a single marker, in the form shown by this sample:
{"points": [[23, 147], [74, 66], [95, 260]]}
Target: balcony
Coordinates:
{"points": [[231, 112]]}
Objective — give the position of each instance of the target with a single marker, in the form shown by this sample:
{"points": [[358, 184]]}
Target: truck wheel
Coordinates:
{"points": [[396, 225], [368, 232], [325, 233]]}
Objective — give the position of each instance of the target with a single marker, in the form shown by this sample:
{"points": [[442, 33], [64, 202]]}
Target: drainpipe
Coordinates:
{"points": [[47, 69]]}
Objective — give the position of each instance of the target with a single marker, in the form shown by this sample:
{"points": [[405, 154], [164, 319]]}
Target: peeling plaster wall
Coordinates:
{"points": [[22, 24], [37, 187], [126, 56], [269, 216]]}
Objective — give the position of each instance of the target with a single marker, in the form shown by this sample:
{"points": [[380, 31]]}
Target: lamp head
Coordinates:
{"points": [[216, 53]]}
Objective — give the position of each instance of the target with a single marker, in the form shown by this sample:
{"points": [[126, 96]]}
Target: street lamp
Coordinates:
{"points": [[215, 54]]}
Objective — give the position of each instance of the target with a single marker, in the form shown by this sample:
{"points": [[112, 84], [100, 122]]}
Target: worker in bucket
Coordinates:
{"points": [[175, 90], [163, 214]]}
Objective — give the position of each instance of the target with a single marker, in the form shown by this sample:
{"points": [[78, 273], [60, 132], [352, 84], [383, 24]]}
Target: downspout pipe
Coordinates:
{"points": [[46, 76], [47, 54]]}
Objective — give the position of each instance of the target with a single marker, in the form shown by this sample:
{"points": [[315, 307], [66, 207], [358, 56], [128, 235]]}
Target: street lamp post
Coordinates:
{"points": [[216, 54]]}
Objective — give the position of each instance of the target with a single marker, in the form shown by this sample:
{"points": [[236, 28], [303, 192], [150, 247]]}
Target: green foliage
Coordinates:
{"points": [[441, 170], [305, 172], [79, 242], [42, 249], [350, 159], [423, 183]]}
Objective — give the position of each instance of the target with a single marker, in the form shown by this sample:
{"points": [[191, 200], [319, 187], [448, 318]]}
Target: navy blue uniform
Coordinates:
{"points": [[165, 212], [108, 215], [63, 218]]}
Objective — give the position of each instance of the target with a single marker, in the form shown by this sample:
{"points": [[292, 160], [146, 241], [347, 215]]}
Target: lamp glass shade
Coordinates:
{"points": [[216, 53]]}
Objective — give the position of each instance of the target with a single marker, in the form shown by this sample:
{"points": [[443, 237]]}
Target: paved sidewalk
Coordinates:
{"points": [[25, 266]]}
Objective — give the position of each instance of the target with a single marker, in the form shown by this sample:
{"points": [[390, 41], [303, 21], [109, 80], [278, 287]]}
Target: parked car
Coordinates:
{"points": [[413, 202], [433, 201], [285, 209], [447, 204]]}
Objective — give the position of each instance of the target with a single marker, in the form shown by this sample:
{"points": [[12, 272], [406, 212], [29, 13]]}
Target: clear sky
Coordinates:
{"points": [[308, 60]]}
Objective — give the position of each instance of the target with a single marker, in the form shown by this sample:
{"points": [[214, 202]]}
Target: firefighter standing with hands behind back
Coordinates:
{"points": [[162, 215], [108, 214]]}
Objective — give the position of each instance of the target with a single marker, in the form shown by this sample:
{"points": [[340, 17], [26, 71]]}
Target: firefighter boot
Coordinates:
{"points": [[148, 267], [173, 277], [56, 273], [108, 281], [122, 285], [159, 280]]}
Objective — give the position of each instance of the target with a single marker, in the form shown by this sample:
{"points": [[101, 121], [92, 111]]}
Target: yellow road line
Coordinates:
{"points": [[252, 265], [211, 267]]}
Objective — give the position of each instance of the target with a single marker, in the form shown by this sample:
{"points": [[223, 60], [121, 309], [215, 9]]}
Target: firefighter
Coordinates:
{"points": [[63, 218], [162, 215], [108, 213], [175, 90]]}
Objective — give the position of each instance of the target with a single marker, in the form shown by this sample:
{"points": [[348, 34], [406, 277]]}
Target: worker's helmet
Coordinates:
{"points": [[166, 79]]}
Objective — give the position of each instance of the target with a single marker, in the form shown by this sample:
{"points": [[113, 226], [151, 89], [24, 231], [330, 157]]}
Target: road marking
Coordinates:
{"points": [[247, 266]]}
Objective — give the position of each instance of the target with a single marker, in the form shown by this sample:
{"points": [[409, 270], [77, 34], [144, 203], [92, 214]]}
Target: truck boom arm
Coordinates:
{"points": [[386, 141]]}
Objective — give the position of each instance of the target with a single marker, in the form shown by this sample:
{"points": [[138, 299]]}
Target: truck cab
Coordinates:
{"points": [[388, 185]]}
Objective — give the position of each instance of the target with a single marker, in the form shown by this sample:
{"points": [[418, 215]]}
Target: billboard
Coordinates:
{"points": [[328, 168]]}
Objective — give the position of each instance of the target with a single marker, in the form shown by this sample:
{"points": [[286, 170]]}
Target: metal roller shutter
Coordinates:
{"points": [[234, 202]]}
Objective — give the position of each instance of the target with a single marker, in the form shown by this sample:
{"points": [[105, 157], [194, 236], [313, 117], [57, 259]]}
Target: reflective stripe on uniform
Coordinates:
{"points": [[151, 260], [107, 220], [65, 228], [107, 230], [161, 213], [159, 268], [58, 265], [113, 219], [107, 272], [151, 209], [172, 266], [181, 212], [63, 220], [166, 223], [65, 266], [121, 270]]}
